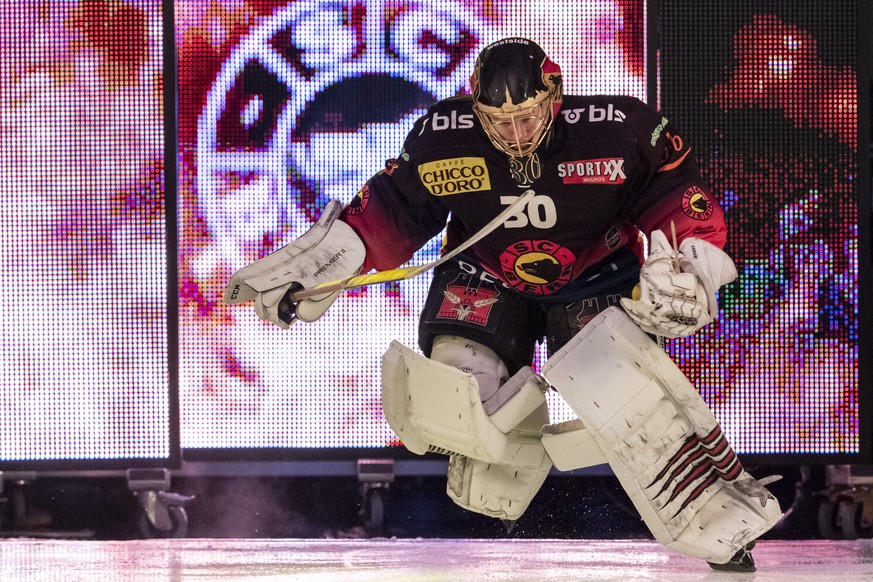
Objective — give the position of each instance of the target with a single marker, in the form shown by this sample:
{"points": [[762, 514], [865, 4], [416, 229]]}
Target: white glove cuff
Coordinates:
{"points": [[712, 266]]}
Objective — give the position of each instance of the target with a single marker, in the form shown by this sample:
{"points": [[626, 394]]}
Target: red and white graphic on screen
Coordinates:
{"points": [[778, 66]]}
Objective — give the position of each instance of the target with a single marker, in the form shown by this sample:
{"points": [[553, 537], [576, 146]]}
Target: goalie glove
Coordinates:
{"points": [[677, 290], [711, 265], [328, 251]]}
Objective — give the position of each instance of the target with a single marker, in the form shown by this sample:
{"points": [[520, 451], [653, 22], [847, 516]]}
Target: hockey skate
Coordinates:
{"points": [[741, 562]]}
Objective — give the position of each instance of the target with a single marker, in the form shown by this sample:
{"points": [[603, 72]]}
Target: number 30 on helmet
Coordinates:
{"points": [[517, 93]]}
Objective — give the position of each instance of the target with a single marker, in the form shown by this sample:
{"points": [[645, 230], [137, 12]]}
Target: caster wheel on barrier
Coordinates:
{"points": [[827, 520], [178, 521], [373, 512], [851, 514]]}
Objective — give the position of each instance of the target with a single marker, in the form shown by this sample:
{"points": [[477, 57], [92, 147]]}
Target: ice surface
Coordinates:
{"points": [[417, 560]]}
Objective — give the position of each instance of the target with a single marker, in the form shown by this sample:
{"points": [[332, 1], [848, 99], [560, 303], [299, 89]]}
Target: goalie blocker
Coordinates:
{"points": [[327, 251], [661, 440]]}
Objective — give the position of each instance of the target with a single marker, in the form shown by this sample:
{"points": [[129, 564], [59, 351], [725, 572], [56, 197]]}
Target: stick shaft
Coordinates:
{"points": [[404, 273]]}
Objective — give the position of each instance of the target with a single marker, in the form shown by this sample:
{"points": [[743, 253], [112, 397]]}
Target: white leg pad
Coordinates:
{"points": [[517, 399], [661, 440], [435, 407], [572, 446], [501, 491]]}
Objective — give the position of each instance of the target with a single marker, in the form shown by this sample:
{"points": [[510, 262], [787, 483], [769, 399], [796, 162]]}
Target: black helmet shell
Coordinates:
{"points": [[510, 72]]}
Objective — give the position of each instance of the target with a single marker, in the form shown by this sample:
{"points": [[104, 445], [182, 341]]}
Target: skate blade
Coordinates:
{"points": [[741, 562]]}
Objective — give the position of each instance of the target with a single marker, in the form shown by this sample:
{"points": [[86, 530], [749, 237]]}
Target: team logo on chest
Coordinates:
{"points": [[540, 267]]}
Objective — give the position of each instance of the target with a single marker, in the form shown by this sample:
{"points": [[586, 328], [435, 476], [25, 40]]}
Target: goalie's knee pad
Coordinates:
{"points": [[661, 440], [572, 446], [474, 358], [509, 403]]}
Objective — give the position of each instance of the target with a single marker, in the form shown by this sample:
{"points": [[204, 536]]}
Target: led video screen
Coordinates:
{"points": [[83, 242], [284, 106], [768, 94]]}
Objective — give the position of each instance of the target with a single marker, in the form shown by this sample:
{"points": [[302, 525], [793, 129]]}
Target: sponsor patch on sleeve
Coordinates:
{"points": [[359, 202]]}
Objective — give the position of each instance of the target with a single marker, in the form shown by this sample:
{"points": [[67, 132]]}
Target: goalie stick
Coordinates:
{"points": [[404, 273]]}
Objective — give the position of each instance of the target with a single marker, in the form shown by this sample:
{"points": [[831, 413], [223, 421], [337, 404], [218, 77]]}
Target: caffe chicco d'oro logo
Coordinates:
{"points": [[540, 267], [455, 176]]}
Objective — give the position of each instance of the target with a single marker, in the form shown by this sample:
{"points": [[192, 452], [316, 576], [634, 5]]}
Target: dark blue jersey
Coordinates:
{"points": [[610, 168]]}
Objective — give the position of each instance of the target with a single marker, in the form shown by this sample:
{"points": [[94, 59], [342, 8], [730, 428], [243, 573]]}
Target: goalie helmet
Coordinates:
{"points": [[517, 93]]}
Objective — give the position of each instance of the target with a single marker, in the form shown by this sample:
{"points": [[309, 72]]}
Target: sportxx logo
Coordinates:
{"points": [[597, 171], [455, 176], [595, 114]]}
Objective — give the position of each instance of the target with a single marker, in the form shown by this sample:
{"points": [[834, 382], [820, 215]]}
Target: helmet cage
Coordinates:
{"points": [[529, 120]]}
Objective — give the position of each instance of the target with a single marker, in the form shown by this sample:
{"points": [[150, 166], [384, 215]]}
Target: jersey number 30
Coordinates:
{"points": [[540, 212]]}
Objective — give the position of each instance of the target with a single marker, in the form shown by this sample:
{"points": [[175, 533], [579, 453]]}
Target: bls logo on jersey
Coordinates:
{"points": [[608, 171], [451, 121], [455, 176], [595, 114]]}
